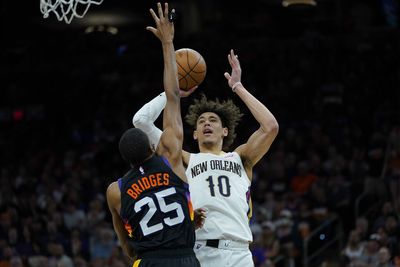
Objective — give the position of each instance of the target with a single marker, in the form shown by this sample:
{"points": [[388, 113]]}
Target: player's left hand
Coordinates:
{"points": [[199, 217], [236, 74]]}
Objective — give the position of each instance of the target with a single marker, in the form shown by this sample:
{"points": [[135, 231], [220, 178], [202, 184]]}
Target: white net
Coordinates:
{"points": [[67, 9]]}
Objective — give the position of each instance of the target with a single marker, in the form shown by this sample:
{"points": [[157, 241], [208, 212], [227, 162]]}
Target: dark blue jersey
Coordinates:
{"points": [[156, 207]]}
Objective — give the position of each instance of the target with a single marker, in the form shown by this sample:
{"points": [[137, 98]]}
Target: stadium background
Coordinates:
{"points": [[330, 74]]}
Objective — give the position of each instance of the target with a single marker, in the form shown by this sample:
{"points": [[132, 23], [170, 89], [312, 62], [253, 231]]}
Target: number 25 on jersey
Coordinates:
{"points": [[160, 198]]}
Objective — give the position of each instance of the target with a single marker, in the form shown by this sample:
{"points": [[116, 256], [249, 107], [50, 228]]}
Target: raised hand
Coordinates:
{"points": [[164, 27], [236, 74]]}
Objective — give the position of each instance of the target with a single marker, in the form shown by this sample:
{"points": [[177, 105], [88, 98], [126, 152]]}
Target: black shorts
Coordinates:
{"points": [[167, 258]]}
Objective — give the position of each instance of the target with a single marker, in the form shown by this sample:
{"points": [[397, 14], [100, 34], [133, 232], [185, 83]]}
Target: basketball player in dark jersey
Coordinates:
{"points": [[150, 205]]}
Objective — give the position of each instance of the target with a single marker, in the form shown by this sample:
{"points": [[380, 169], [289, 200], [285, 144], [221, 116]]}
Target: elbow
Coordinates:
{"points": [[135, 120], [179, 135], [138, 121], [273, 128]]}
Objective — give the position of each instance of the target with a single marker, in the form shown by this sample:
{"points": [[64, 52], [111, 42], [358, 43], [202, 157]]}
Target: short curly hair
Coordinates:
{"points": [[228, 112]]}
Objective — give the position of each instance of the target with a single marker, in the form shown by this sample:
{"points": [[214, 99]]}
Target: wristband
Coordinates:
{"points": [[235, 85]]}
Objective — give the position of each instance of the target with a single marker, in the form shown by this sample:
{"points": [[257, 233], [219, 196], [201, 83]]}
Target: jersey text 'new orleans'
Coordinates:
{"points": [[221, 186]]}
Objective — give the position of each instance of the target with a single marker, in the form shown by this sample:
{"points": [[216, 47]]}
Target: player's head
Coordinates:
{"points": [[214, 121], [134, 146]]}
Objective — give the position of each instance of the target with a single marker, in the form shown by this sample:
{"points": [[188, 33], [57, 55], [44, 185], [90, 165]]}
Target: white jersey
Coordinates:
{"points": [[221, 186]]}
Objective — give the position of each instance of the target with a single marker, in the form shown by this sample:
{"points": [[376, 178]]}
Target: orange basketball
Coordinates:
{"points": [[191, 68]]}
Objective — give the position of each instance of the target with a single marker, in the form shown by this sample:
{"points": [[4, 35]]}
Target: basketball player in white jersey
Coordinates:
{"points": [[220, 181]]}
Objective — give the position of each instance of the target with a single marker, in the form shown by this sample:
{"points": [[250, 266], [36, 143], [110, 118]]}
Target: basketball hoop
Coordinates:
{"points": [[67, 9]]}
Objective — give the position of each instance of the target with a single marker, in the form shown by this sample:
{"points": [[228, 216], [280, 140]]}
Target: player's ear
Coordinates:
{"points": [[225, 132], [195, 135]]}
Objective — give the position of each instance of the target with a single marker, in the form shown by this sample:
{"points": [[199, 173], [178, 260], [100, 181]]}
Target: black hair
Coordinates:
{"points": [[134, 146], [227, 111]]}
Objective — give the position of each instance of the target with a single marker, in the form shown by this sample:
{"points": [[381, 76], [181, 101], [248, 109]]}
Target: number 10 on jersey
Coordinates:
{"points": [[223, 185]]}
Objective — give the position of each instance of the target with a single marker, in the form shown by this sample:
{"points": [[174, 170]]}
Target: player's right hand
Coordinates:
{"points": [[199, 218]]}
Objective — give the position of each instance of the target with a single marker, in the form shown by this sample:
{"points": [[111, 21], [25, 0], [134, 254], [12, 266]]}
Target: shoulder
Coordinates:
{"points": [[238, 152], [113, 192], [188, 157], [234, 156]]}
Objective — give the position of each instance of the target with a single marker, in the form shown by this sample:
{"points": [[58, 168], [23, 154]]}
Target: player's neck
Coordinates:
{"points": [[146, 159], [212, 150]]}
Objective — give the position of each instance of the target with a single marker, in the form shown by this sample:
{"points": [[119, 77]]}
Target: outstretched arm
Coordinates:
{"points": [[171, 140], [260, 141]]}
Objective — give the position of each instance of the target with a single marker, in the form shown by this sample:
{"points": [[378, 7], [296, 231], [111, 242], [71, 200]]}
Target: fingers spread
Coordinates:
{"points": [[160, 12], [153, 14], [166, 10], [152, 29]]}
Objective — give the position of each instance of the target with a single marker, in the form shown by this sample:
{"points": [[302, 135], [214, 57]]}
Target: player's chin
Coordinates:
{"points": [[208, 136], [209, 141]]}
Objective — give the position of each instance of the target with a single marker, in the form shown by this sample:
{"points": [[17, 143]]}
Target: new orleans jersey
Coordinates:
{"points": [[221, 186]]}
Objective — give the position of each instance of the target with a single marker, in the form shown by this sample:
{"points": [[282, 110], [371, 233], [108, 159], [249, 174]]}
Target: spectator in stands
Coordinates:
{"points": [[80, 262], [370, 253], [266, 247], [58, 256], [393, 232], [304, 211], [397, 261], [386, 210], [269, 241], [78, 244], [362, 226], [96, 213], [38, 261], [73, 216], [6, 255], [384, 258], [354, 248], [374, 185], [16, 262], [102, 242], [301, 183], [394, 167], [53, 233]]}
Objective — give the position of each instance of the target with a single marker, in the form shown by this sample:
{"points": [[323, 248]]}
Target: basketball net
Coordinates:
{"points": [[67, 9]]}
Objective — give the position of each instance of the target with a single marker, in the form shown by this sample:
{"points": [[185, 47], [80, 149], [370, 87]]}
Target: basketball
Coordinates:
{"points": [[191, 68]]}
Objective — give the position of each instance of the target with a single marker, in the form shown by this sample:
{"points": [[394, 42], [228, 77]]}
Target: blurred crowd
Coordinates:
{"points": [[329, 184]]}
